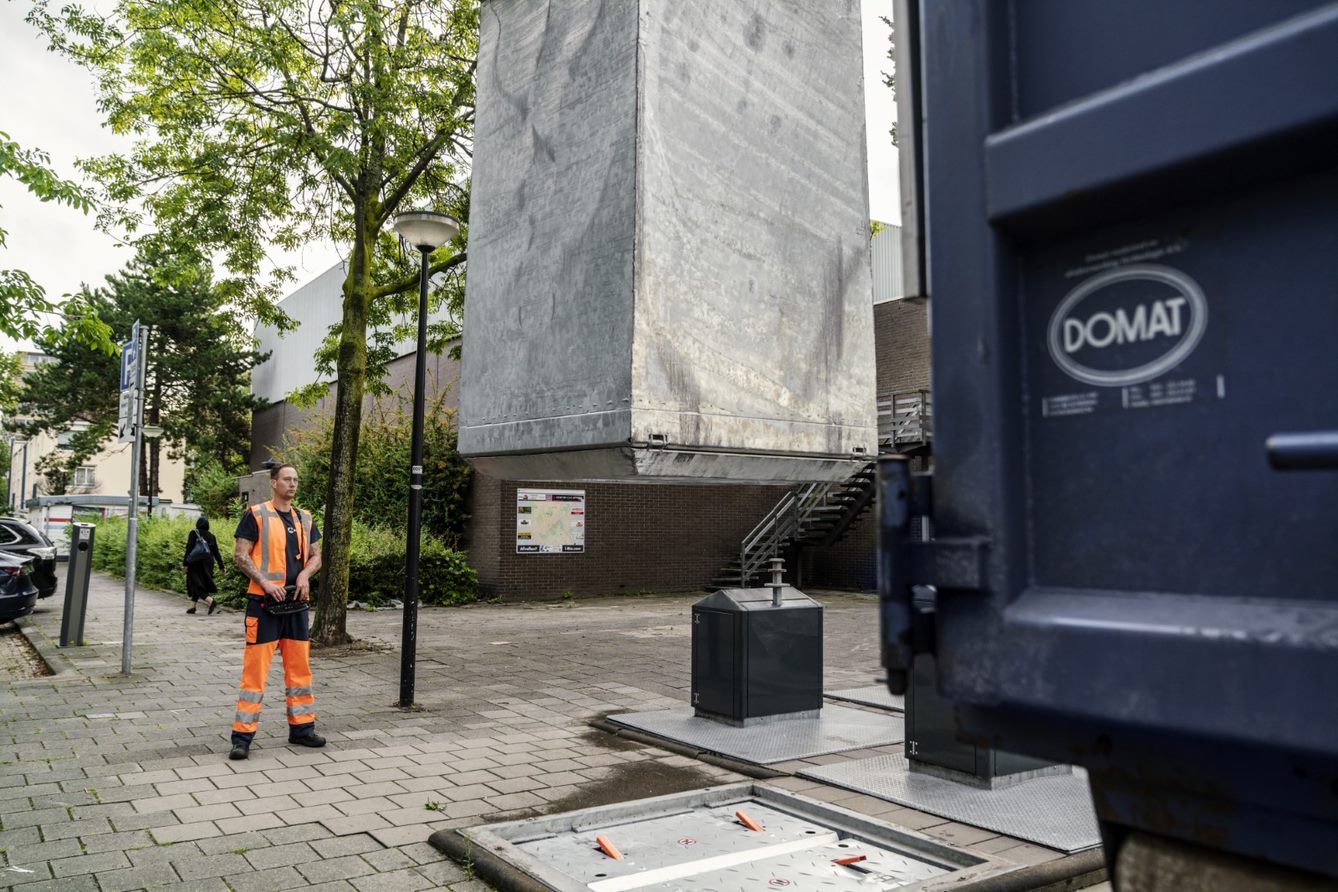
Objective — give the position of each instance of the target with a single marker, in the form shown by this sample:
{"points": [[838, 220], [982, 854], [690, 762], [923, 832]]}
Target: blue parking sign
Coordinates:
{"points": [[130, 359]]}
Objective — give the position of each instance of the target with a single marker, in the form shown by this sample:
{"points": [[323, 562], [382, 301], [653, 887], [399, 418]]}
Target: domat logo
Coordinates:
{"points": [[1128, 325]]}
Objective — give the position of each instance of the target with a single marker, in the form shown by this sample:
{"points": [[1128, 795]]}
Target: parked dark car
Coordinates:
{"points": [[24, 541], [18, 594]]}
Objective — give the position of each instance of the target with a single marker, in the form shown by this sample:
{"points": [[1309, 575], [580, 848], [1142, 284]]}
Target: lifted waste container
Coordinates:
{"points": [[1130, 220]]}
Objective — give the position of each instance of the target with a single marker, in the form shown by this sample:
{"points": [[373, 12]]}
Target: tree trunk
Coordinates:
{"points": [[331, 600]]}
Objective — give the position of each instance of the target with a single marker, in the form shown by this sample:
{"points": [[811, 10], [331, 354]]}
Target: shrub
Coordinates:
{"points": [[376, 565], [381, 488]]}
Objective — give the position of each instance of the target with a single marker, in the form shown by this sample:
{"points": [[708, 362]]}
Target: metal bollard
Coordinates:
{"points": [[76, 584]]}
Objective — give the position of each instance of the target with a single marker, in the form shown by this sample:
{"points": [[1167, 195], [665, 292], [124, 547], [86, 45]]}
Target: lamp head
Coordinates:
{"points": [[426, 230]]}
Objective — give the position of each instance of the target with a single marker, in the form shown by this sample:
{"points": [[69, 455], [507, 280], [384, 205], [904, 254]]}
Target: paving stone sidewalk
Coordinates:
{"points": [[116, 783]]}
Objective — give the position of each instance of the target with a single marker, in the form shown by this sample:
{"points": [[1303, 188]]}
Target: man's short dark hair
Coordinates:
{"points": [[277, 469]]}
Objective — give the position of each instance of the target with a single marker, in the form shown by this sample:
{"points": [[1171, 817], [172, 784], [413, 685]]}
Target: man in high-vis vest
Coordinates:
{"points": [[277, 545]]}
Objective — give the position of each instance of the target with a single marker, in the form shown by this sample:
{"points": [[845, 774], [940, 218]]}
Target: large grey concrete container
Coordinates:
{"points": [[668, 245]]}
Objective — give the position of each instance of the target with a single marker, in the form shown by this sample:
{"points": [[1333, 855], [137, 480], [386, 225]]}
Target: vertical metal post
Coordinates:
{"points": [[409, 638], [894, 588], [9, 476], [23, 478], [132, 525], [777, 581]]}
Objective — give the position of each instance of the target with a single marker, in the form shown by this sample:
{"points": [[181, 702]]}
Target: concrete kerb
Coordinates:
{"points": [[56, 661], [454, 844]]}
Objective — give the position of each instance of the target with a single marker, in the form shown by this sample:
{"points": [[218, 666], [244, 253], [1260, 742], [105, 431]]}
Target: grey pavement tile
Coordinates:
{"points": [[269, 880], [235, 795], [115, 842], [151, 804], [367, 791], [245, 823], [42, 851], [205, 866], [136, 877], [20, 836], [267, 804], [281, 856], [78, 829], [473, 776], [409, 880], [467, 809], [343, 868], [344, 826], [68, 867], [472, 791], [208, 884], [442, 872], [356, 807], [193, 785], [322, 797], [145, 822], [336, 886], [214, 812], [396, 837], [102, 810], [184, 832], [422, 853], [339, 846], [162, 854], [38, 817], [389, 859], [85, 883]]}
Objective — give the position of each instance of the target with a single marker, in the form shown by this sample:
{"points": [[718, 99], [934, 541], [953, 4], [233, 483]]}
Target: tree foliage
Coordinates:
{"points": [[25, 310], [380, 493], [276, 122], [197, 376]]}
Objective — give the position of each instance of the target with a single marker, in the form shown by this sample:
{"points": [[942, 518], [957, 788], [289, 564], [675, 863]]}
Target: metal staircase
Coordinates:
{"points": [[820, 514]]}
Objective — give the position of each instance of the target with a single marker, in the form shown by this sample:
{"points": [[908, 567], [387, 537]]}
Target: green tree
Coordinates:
{"points": [[278, 122], [380, 494], [11, 383], [197, 385], [24, 307]]}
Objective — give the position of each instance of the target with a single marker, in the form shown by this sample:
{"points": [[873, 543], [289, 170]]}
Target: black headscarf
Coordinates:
{"points": [[202, 524]]}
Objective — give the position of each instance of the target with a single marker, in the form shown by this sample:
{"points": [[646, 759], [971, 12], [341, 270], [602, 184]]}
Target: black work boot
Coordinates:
{"points": [[311, 738], [240, 751]]}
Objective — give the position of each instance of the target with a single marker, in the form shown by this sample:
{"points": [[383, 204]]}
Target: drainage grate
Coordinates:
{"points": [[698, 840]]}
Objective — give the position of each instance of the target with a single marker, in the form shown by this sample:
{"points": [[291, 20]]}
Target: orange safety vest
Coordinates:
{"points": [[270, 551]]}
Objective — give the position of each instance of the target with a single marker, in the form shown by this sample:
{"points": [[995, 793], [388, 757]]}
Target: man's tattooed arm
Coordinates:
{"points": [[241, 555]]}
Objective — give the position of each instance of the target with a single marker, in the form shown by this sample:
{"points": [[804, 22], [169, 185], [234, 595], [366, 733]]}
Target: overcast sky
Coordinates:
{"points": [[49, 104]]}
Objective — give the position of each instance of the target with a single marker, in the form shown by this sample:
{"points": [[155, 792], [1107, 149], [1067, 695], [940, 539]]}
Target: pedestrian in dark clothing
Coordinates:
{"points": [[200, 572]]}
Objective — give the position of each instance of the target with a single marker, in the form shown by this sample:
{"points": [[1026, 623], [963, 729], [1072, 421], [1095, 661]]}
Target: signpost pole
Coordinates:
{"points": [[140, 342]]}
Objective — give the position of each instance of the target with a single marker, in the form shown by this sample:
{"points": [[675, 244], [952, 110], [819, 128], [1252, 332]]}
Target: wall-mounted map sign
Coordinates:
{"points": [[550, 521]]}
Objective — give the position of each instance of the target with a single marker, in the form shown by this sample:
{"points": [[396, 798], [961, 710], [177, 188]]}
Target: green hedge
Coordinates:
{"points": [[376, 569]]}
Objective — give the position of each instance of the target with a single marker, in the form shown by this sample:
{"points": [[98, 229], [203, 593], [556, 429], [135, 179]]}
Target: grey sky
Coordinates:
{"points": [[49, 104]]}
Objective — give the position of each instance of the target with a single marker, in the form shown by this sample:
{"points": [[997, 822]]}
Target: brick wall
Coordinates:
{"points": [[901, 344], [657, 537]]}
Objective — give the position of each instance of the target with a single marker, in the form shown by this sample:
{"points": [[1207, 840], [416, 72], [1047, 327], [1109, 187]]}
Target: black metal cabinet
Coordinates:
{"points": [[751, 659]]}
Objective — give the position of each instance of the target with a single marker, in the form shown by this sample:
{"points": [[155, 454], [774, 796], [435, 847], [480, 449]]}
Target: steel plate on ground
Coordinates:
{"points": [[674, 845], [874, 695], [1054, 811], [838, 728], [814, 868]]}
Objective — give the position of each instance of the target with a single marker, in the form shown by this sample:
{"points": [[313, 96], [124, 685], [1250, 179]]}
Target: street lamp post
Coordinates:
{"points": [[426, 231]]}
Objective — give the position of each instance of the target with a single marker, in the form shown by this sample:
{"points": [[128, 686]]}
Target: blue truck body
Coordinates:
{"points": [[1130, 214]]}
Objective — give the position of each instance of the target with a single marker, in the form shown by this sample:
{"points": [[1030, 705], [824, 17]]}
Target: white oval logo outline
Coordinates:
{"points": [[1161, 365]]}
